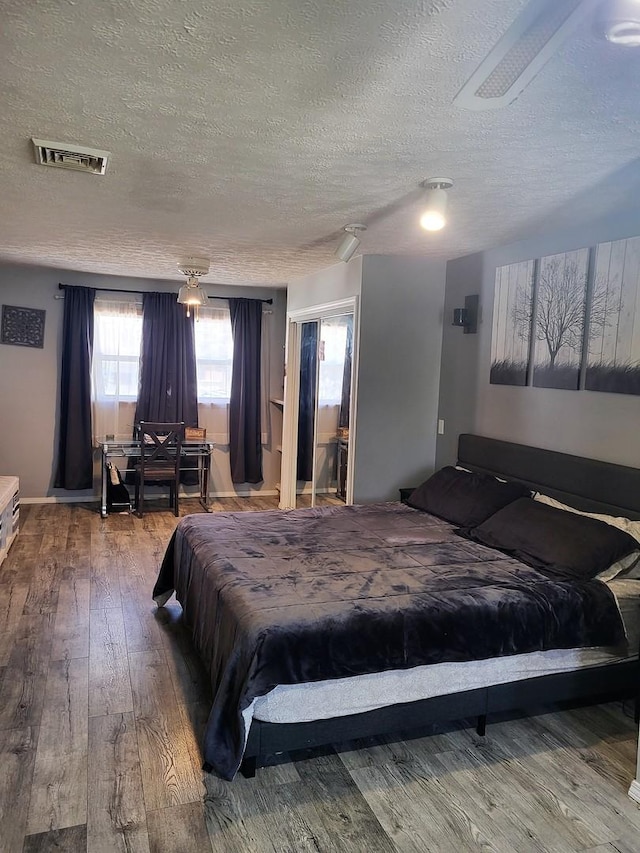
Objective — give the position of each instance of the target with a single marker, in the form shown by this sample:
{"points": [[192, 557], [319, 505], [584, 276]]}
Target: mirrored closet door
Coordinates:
{"points": [[317, 460], [335, 349]]}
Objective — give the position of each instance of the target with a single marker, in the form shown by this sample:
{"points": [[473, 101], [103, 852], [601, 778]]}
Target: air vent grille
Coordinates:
{"points": [[77, 157], [524, 51]]}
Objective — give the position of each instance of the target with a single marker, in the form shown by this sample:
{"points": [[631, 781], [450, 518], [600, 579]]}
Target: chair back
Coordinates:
{"points": [[161, 445]]}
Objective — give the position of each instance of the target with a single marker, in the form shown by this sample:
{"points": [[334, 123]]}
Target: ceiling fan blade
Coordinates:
{"points": [[522, 52]]}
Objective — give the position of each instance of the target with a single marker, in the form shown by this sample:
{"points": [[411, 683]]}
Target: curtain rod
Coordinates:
{"points": [[142, 292]]}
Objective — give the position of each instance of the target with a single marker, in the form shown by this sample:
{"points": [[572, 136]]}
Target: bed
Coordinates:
{"points": [[322, 625]]}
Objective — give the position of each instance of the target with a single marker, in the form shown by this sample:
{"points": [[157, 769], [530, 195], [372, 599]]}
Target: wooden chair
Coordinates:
{"points": [[161, 446]]}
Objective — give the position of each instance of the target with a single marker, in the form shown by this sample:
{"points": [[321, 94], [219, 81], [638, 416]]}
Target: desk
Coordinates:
{"points": [[131, 450]]}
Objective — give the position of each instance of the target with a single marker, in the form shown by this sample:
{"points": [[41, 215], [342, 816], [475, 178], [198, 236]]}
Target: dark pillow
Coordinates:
{"points": [[464, 497], [548, 538]]}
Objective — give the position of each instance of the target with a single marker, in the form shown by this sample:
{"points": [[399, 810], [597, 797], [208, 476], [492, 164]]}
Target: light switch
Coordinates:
{"points": [[440, 426]]}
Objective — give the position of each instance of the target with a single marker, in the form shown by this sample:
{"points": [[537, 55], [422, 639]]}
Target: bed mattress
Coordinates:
{"points": [[297, 703], [282, 598]]}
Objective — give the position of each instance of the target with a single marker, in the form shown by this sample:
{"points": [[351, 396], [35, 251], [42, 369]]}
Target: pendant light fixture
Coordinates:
{"points": [[434, 215], [191, 293]]}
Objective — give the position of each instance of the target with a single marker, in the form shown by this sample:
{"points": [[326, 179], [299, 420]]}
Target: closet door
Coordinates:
{"points": [[307, 406], [333, 406], [319, 405]]}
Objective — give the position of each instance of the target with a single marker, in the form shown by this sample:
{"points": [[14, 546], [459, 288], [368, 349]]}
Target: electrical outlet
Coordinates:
{"points": [[440, 426]]}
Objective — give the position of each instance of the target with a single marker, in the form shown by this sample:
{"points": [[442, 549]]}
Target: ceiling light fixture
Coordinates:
{"points": [[191, 294], [349, 242], [619, 20], [434, 216]]}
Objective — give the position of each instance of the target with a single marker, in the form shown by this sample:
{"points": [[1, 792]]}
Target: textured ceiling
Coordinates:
{"points": [[250, 132]]}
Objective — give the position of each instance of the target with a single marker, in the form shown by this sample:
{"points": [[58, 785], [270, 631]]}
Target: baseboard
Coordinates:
{"points": [[83, 499], [634, 791], [62, 499]]}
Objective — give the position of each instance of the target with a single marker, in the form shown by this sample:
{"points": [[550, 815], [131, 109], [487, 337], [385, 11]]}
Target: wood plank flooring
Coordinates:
{"points": [[103, 702]]}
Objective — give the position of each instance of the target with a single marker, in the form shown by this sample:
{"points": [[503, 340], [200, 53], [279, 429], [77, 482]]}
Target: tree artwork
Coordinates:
{"points": [[552, 331], [512, 324], [613, 358], [560, 306], [548, 305]]}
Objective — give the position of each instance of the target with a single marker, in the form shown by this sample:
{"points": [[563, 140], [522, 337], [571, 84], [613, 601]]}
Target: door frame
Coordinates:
{"points": [[295, 319]]}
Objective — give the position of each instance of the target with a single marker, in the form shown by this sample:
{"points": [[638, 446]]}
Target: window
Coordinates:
{"points": [[116, 368], [331, 355], [214, 354], [117, 339], [116, 350]]}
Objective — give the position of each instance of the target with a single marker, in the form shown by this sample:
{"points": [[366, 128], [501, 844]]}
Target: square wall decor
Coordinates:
{"points": [[23, 327]]}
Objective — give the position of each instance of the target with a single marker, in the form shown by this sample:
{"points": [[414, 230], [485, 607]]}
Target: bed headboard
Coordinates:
{"points": [[586, 484]]}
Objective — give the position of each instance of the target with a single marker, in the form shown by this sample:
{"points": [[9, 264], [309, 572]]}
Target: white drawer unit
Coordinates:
{"points": [[9, 513]]}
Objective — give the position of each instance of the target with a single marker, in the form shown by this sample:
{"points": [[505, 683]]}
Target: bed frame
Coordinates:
{"points": [[587, 484]]}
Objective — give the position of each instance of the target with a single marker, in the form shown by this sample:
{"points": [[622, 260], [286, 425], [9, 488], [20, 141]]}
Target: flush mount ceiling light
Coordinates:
{"points": [[434, 216], [619, 21], [349, 242], [191, 294]]}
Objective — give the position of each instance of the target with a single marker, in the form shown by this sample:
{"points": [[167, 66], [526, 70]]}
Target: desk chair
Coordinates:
{"points": [[160, 448]]}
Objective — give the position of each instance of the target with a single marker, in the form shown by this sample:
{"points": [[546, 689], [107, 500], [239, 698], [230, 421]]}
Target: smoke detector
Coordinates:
{"points": [[76, 157]]}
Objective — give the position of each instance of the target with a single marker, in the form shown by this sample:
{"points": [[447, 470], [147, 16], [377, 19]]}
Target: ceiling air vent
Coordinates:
{"points": [[77, 157], [523, 50]]}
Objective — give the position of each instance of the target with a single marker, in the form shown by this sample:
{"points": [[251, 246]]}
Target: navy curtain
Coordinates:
{"points": [[245, 439], [307, 399], [345, 402], [168, 389], [75, 447]]}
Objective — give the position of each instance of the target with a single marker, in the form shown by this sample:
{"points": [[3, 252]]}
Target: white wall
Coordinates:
{"points": [[586, 423], [339, 281], [29, 379]]}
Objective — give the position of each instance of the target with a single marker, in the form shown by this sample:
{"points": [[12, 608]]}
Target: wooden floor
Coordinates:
{"points": [[102, 702]]}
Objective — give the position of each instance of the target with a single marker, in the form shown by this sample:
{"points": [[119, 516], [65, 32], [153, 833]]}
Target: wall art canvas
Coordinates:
{"points": [[560, 305], [613, 362], [513, 301], [23, 327]]}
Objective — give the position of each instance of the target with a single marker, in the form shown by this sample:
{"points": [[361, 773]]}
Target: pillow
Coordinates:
{"points": [[464, 497], [469, 471], [627, 567], [630, 527], [630, 565], [548, 538]]}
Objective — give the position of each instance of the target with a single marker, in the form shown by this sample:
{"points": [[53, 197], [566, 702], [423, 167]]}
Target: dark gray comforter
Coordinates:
{"points": [[288, 597]]}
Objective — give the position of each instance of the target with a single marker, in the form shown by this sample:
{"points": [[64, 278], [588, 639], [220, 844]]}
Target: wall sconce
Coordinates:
{"points": [[434, 216], [467, 317], [349, 242]]}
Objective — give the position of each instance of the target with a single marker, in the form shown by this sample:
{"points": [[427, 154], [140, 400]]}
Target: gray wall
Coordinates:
{"points": [[401, 313], [399, 348], [587, 423], [29, 378]]}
